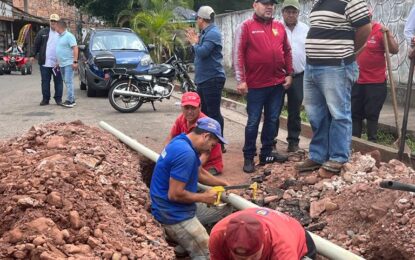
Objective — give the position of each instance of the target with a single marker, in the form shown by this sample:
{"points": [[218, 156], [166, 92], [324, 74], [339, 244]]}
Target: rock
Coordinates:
{"points": [[29, 246], [40, 240], [74, 219], [330, 206], [126, 251], [98, 233], [317, 208], [403, 201], [377, 156], [350, 233], [348, 177], [56, 142], [65, 234], [54, 198], [311, 179], [77, 249], [404, 219], [13, 236], [86, 160], [27, 202], [93, 242], [325, 174], [20, 254], [116, 256]]}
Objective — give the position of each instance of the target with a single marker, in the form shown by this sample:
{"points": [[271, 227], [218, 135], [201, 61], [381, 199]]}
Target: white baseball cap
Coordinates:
{"points": [[205, 12]]}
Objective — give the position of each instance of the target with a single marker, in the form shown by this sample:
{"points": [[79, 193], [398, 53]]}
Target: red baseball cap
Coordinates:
{"points": [[190, 98], [244, 235]]}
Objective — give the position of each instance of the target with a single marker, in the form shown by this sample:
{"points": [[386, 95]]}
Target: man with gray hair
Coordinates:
{"points": [[209, 72], [67, 53]]}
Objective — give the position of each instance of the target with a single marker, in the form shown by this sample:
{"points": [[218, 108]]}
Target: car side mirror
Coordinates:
{"points": [[151, 47], [81, 47]]}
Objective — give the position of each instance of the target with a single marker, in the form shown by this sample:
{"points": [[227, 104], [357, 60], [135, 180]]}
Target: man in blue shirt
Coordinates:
{"points": [[67, 54], [209, 72], [175, 202]]}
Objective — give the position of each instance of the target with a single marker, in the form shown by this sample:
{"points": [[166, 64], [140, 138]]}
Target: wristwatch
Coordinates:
{"points": [[75, 62]]}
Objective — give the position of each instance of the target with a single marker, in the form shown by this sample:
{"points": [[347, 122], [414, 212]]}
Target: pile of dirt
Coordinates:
{"points": [[75, 192], [349, 209]]}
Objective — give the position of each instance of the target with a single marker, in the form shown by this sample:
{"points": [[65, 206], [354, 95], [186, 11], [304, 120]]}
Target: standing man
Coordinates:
{"points": [[175, 202], [409, 32], [186, 121], [370, 91], [263, 68], [45, 46], [209, 72], [260, 233], [338, 29], [67, 53], [297, 33]]}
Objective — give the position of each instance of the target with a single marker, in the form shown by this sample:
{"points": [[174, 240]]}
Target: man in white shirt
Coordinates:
{"points": [[297, 33], [409, 32]]}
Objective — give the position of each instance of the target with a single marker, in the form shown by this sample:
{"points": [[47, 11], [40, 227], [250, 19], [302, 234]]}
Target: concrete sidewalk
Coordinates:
{"points": [[386, 120]]}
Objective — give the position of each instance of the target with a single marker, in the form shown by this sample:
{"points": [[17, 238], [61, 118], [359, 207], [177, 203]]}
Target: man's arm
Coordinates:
{"points": [[238, 59], [37, 43], [361, 35], [208, 179], [392, 43], [178, 193]]}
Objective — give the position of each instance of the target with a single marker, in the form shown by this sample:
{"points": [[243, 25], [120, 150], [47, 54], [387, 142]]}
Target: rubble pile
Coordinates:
{"points": [[69, 191], [349, 209]]}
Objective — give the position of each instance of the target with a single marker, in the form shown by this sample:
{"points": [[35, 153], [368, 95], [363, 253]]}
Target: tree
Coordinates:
{"points": [[221, 6], [154, 23]]}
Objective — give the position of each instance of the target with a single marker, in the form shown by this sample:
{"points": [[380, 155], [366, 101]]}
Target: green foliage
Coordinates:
{"points": [[221, 6]]}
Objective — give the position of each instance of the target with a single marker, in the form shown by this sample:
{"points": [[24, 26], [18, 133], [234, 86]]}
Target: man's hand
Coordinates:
{"points": [[288, 82], [242, 88], [75, 66], [32, 59], [191, 36], [210, 196]]}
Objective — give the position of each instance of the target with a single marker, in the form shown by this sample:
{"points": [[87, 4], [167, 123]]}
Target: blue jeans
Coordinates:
{"points": [[67, 75], [210, 93], [268, 99], [327, 91], [46, 75]]}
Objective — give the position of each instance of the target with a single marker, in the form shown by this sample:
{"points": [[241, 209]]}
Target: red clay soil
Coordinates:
{"points": [[69, 191]]}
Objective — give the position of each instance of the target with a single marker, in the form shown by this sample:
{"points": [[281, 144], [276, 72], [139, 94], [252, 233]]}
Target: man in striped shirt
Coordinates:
{"points": [[338, 28]]}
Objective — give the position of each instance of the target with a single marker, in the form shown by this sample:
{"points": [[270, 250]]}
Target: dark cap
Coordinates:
{"points": [[266, 1], [245, 235]]}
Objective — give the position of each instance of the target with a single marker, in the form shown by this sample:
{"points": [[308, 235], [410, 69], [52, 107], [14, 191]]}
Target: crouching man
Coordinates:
{"points": [[173, 190], [186, 121], [260, 233]]}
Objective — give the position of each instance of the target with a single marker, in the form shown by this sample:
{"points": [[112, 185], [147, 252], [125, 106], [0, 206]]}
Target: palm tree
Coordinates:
{"points": [[155, 23]]}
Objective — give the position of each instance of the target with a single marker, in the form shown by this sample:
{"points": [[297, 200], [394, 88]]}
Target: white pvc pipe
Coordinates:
{"points": [[324, 247]]}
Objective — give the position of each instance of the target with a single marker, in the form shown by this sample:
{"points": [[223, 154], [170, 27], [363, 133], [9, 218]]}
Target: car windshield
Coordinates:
{"points": [[117, 41]]}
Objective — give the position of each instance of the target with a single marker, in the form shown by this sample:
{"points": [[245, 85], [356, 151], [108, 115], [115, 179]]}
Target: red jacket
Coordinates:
{"points": [[286, 239], [262, 53]]}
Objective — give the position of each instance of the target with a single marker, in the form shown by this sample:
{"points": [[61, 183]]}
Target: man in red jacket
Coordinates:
{"points": [[186, 121], [260, 233], [263, 67]]}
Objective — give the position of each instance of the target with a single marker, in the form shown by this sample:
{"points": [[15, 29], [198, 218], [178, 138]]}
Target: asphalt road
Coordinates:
{"points": [[20, 110]]}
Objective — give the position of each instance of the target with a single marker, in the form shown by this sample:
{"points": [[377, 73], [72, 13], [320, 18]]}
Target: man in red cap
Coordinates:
{"points": [[186, 121], [260, 233]]}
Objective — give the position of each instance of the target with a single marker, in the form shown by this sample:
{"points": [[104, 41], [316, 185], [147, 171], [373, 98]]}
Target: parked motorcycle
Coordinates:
{"points": [[131, 88]]}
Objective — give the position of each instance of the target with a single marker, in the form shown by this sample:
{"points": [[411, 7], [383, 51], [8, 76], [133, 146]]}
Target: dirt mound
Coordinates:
{"points": [[349, 209], [71, 191]]}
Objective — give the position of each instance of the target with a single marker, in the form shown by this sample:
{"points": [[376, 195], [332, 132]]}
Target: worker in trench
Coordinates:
{"points": [[186, 121], [260, 233], [175, 202]]}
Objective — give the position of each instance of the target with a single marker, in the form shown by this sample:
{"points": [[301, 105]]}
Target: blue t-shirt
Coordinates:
{"points": [[208, 55], [64, 51], [180, 161]]}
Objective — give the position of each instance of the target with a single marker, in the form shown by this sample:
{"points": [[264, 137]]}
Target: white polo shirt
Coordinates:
{"points": [[51, 59], [297, 38]]}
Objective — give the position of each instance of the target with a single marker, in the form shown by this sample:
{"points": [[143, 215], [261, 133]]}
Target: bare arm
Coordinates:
{"points": [[361, 35], [392, 43], [168, 139], [178, 193]]}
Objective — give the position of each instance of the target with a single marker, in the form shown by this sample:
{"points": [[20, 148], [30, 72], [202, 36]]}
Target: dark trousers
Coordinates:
{"points": [[295, 96], [210, 93], [268, 99], [367, 102], [46, 75]]}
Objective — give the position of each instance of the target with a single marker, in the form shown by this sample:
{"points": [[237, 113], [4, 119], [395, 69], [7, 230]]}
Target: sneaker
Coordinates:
{"points": [[307, 165], [68, 103], [292, 148], [59, 103], [273, 157], [249, 166], [332, 166], [44, 103]]}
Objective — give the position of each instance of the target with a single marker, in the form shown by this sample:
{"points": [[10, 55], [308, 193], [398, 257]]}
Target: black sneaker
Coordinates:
{"points": [[273, 157], [44, 103], [68, 103], [59, 103], [249, 166]]}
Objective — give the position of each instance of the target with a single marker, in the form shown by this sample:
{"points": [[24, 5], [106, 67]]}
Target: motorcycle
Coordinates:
{"points": [[130, 88], [16, 62]]}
